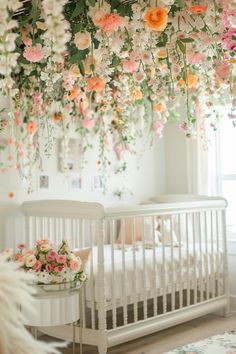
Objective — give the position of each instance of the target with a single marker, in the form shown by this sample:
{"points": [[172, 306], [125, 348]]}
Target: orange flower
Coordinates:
{"points": [[191, 79], [198, 9], [233, 61], [58, 117], [162, 53], [96, 84], [32, 127], [73, 93], [159, 107], [156, 18], [10, 195]]}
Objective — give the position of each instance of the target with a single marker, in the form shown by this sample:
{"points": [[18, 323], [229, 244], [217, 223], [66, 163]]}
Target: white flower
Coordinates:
{"points": [[82, 40], [30, 260]]}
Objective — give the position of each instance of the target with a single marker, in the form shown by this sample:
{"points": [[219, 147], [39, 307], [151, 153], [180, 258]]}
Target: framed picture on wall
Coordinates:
{"points": [[75, 183], [43, 182], [97, 183]]}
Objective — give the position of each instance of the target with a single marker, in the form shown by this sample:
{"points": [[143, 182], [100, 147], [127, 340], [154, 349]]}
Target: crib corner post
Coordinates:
{"points": [[100, 230]]}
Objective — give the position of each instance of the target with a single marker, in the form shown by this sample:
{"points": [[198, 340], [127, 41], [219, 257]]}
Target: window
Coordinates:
{"points": [[227, 142]]}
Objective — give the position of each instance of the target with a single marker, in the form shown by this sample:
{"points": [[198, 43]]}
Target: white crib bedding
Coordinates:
{"points": [[195, 263]]}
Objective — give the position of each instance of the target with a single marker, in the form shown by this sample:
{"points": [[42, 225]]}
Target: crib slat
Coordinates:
{"points": [[206, 255], [212, 255], [188, 263], [90, 230], [124, 294], [194, 258], [133, 231], [218, 254], [201, 256], [172, 265], [114, 308], [154, 278], [163, 236], [180, 263], [145, 304]]}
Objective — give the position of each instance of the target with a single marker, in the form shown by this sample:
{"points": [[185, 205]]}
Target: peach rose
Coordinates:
{"points": [[30, 261], [130, 66], [156, 18], [96, 83], [82, 40]]}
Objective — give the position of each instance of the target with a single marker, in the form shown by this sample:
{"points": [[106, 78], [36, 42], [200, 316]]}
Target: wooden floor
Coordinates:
{"points": [[169, 339]]}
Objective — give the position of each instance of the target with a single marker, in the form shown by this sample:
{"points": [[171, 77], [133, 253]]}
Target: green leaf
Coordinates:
{"points": [[181, 46], [187, 40], [79, 9], [181, 3], [81, 67]]}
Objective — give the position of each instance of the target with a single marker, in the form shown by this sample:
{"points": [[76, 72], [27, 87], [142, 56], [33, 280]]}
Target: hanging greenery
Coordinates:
{"points": [[116, 69]]}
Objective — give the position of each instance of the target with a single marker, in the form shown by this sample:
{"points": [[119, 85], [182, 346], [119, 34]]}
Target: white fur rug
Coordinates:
{"points": [[14, 294]]}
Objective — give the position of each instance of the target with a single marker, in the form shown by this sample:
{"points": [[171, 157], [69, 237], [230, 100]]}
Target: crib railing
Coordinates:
{"points": [[145, 261]]}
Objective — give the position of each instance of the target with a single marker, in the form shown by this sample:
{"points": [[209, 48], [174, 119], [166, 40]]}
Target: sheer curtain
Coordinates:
{"points": [[203, 160]]}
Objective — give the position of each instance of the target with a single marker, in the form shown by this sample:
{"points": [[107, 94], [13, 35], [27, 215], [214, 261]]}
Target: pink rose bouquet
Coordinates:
{"points": [[50, 264]]}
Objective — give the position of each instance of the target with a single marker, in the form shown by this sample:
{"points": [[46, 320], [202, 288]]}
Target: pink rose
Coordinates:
{"points": [[51, 256], [48, 267], [58, 269], [38, 266], [61, 259], [19, 257], [75, 264], [44, 247], [40, 242], [22, 246]]}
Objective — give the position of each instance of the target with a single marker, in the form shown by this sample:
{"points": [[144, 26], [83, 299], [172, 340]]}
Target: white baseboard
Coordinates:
{"points": [[233, 303]]}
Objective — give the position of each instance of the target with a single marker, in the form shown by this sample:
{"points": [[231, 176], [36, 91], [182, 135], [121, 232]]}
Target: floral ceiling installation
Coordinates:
{"points": [[116, 70]]}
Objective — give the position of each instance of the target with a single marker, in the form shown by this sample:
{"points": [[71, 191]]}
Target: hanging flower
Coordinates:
{"points": [[82, 40], [198, 9], [191, 80], [32, 127], [34, 54], [156, 18], [110, 23], [96, 84], [130, 66]]}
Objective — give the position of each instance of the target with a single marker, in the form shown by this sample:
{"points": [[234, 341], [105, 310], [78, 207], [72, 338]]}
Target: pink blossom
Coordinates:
{"points": [[136, 56], [29, 252], [40, 242], [58, 269], [38, 266], [119, 151], [130, 66], [61, 259], [75, 264], [19, 257], [140, 76], [10, 141], [158, 128], [88, 123], [111, 23], [51, 256], [27, 41], [183, 127], [223, 70], [195, 58], [22, 246], [34, 54], [48, 267]]}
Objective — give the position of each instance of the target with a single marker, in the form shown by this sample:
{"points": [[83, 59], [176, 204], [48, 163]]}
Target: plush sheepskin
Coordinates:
{"points": [[14, 294]]}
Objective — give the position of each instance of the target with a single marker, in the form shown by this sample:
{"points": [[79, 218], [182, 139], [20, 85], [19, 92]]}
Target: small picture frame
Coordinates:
{"points": [[75, 183], [97, 183], [43, 182]]}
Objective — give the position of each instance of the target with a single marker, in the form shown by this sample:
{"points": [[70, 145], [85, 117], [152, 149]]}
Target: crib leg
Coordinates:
{"points": [[102, 349]]}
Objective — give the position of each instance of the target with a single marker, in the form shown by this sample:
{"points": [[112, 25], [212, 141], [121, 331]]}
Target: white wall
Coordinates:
{"points": [[176, 160]]}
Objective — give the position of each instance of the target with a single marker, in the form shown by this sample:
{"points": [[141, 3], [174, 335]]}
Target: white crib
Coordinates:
{"points": [[160, 279]]}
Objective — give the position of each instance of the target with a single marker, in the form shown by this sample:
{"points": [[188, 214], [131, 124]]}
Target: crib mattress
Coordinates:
{"points": [[138, 272]]}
